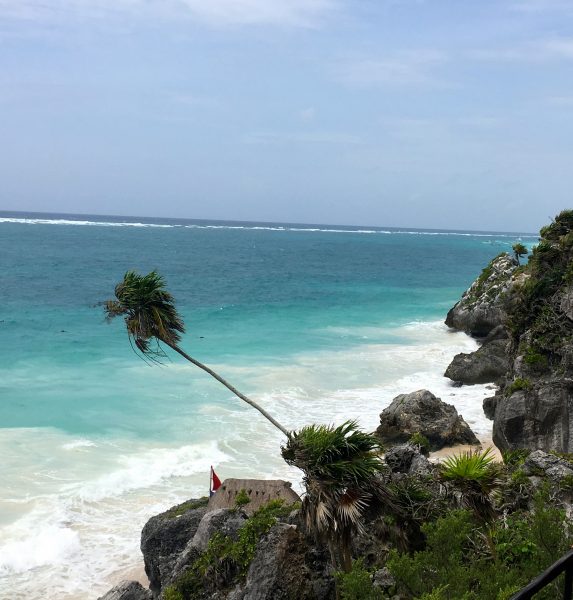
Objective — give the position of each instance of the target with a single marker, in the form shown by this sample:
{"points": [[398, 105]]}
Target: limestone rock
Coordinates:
{"points": [[224, 521], [489, 405], [407, 458], [421, 412], [553, 467], [383, 579], [128, 590], [485, 365], [286, 567], [480, 309], [539, 418], [164, 538]]}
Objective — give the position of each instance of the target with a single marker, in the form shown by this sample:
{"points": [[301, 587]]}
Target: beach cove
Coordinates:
{"points": [[318, 323]]}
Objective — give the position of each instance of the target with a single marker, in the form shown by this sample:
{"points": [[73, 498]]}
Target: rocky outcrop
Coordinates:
{"points": [[540, 417], [421, 412], [542, 464], [285, 566], [165, 537], [407, 458], [481, 308], [128, 590], [486, 365]]}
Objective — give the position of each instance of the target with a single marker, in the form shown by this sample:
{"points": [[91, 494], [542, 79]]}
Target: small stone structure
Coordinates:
{"points": [[260, 492]]}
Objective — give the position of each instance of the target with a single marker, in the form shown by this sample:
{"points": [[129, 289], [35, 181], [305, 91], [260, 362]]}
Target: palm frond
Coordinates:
{"points": [[149, 312], [341, 465], [476, 476]]}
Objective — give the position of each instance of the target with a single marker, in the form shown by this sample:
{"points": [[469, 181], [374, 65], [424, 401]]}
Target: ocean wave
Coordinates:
{"points": [[282, 228], [85, 223], [151, 468], [95, 520]]}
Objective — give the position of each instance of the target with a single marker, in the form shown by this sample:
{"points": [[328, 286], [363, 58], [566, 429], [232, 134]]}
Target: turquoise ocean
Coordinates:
{"points": [[318, 323]]}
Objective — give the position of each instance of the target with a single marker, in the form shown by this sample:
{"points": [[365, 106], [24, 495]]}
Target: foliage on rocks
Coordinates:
{"points": [[458, 564], [227, 559]]}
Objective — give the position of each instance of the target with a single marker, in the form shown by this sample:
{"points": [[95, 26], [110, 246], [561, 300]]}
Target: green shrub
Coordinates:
{"points": [[534, 358], [242, 499], [456, 564], [517, 385], [515, 458], [226, 556], [357, 583], [180, 509], [418, 439]]}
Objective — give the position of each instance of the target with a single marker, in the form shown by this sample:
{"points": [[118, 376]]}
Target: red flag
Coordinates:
{"points": [[216, 482]]}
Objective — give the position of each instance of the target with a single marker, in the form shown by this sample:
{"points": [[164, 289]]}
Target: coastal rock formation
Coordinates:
{"points": [[286, 566], [165, 536], [481, 308], [539, 418], [486, 365], [540, 463], [407, 458], [421, 412], [531, 306], [128, 590]]}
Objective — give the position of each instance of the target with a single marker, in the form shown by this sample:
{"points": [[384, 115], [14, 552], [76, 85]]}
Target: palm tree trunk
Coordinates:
{"points": [[228, 386]]}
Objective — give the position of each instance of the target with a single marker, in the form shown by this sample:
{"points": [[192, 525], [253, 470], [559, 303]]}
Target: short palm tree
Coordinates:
{"points": [[519, 250], [340, 465], [150, 315], [476, 476]]}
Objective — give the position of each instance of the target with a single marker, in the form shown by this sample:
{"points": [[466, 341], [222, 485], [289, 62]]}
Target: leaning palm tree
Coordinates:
{"points": [[340, 466], [152, 319]]}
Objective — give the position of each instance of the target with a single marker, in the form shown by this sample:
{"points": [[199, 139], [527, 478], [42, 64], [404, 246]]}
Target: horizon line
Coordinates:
{"points": [[240, 221]]}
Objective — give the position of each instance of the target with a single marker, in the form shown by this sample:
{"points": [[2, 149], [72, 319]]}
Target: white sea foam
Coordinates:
{"points": [[78, 444], [74, 519], [326, 229], [78, 222]]}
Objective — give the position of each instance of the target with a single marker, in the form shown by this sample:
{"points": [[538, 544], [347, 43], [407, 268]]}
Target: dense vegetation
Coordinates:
{"points": [[534, 307], [471, 553]]}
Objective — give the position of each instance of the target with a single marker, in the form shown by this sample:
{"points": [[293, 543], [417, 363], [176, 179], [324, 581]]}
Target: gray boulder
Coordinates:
{"points": [[485, 365], [286, 567], [421, 412], [224, 521], [548, 465], [537, 418], [164, 538], [128, 590], [489, 405], [407, 458], [480, 309]]}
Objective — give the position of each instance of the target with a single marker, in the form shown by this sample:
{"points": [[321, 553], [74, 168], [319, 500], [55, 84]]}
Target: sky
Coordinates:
{"points": [[440, 114]]}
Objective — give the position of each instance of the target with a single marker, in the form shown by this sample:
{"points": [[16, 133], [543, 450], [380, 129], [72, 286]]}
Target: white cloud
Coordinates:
{"points": [[307, 114], [290, 13], [564, 101], [542, 6], [301, 138], [407, 68], [552, 49], [301, 13]]}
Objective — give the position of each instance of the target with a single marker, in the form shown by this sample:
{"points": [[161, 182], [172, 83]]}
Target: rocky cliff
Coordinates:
{"points": [[529, 311]]}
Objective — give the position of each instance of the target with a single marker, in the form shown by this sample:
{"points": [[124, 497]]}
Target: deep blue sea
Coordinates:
{"points": [[319, 323]]}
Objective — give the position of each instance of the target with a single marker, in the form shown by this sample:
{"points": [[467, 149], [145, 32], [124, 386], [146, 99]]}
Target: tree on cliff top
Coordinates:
{"points": [[340, 465], [150, 314], [519, 250]]}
